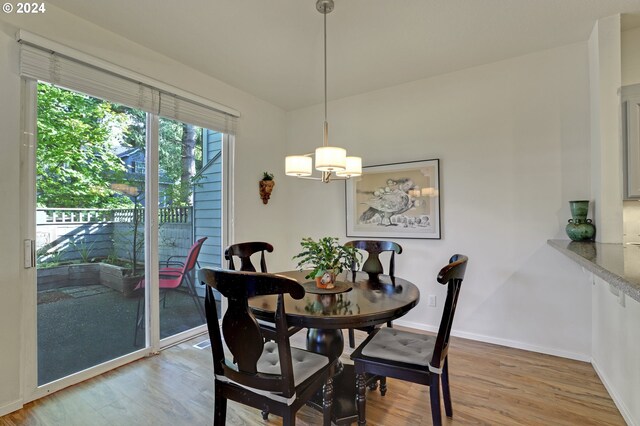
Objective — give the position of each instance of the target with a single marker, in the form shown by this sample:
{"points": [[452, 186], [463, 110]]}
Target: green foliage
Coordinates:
{"points": [[75, 163], [48, 260], [84, 249], [326, 254], [171, 134], [267, 176]]}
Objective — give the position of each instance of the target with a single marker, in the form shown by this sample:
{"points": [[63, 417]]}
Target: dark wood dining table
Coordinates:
{"points": [[369, 301]]}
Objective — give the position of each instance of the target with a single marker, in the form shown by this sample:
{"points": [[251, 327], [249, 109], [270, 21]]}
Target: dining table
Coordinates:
{"points": [[359, 300]]}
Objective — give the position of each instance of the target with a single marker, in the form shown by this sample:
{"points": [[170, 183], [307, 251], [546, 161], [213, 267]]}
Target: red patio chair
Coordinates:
{"points": [[172, 278]]}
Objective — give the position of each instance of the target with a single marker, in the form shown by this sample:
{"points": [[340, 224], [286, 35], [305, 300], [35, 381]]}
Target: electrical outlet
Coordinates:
{"points": [[432, 300]]}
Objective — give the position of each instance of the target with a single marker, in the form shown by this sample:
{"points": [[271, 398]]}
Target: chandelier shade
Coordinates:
{"points": [[330, 160], [298, 165], [353, 169]]}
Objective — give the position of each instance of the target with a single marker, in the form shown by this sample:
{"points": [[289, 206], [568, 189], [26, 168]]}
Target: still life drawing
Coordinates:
{"points": [[400, 200]]}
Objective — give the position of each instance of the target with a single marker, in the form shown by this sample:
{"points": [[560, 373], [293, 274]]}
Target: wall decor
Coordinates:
{"points": [[266, 186], [399, 200]]}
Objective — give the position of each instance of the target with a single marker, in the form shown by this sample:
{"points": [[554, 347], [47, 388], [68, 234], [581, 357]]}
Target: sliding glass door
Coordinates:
{"points": [[123, 194], [93, 189], [89, 231]]}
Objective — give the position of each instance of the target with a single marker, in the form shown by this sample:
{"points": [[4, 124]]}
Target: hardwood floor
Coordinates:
{"points": [[489, 385]]}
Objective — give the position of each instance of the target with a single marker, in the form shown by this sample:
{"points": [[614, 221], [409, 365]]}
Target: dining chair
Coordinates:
{"points": [[244, 252], [173, 278], [373, 267], [271, 376], [413, 357]]}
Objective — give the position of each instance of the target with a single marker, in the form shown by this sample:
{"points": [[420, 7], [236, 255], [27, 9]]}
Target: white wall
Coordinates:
{"points": [[630, 56], [616, 348], [606, 143], [513, 141], [259, 147], [10, 301], [615, 337]]}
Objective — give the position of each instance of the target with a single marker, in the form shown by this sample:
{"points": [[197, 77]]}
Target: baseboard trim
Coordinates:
{"points": [[11, 407], [499, 341], [624, 411]]}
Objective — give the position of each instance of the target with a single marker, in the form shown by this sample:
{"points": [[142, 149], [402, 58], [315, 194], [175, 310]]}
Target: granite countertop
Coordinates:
{"points": [[617, 264]]}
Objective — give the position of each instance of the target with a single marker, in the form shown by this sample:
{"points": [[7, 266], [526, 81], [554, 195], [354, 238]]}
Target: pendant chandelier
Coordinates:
{"points": [[331, 161]]}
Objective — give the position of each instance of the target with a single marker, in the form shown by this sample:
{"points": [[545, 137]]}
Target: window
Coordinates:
{"points": [[139, 167], [98, 190]]}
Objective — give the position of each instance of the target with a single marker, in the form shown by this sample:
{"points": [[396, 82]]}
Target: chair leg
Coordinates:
{"points": [[194, 296], [327, 402], [219, 410], [383, 386], [361, 398], [389, 324], [352, 338], [138, 321], [265, 414], [289, 418], [434, 392], [446, 395]]}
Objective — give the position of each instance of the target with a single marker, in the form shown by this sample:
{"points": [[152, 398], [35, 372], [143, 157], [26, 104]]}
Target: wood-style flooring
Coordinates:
{"points": [[490, 385]]}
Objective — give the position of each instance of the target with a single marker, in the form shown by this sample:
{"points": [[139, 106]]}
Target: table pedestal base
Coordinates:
{"points": [[345, 411], [330, 342]]}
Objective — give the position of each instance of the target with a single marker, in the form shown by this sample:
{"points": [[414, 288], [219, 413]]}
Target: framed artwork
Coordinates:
{"points": [[399, 200]]}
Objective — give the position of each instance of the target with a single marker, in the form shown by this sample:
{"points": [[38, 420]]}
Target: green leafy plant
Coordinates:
{"points": [[267, 176], [84, 249], [49, 259], [326, 254]]}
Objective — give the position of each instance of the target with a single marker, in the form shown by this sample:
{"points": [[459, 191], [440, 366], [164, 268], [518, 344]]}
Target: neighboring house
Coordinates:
{"points": [[134, 161], [207, 200]]}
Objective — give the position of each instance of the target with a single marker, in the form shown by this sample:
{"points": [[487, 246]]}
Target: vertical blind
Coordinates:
{"points": [[55, 68]]}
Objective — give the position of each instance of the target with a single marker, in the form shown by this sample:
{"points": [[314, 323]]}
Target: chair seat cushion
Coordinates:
{"points": [[305, 364], [401, 346]]}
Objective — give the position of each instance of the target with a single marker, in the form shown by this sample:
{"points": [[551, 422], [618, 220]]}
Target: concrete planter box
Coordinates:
{"points": [[82, 274], [69, 275], [115, 277]]}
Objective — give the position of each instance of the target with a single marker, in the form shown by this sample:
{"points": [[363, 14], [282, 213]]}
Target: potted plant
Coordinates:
{"points": [[327, 258], [266, 186]]}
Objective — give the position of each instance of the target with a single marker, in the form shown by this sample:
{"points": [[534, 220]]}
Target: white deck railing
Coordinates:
{"points": [[53, 215]]}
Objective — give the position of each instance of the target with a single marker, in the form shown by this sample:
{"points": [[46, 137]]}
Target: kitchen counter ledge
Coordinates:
{"points": [[617, 264]]}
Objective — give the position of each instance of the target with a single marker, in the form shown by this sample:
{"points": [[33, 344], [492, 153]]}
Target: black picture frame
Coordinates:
{"points": [[395, 200]]}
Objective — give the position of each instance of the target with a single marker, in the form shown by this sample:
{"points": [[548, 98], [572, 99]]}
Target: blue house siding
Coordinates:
{"points": [[207, 201]]}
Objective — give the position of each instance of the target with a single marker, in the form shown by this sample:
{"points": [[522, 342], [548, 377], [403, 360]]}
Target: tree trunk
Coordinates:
{"points": [[188, 162]]}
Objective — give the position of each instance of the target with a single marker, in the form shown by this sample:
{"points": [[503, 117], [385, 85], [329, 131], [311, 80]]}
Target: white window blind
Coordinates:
{"points": [[62, 70], [180, 109]]}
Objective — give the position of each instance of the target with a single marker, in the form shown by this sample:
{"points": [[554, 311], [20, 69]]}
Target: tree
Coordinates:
{"points": [[180, 152], [75, 161], [188, 162]]}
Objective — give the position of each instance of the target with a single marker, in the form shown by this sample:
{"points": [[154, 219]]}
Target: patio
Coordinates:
{"points": [[82, 326]]}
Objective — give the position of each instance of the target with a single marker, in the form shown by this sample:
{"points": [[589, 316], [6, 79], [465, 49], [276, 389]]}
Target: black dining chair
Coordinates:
{"points": [[244, 252], [271, 376], [373, 267], [413, 357]]}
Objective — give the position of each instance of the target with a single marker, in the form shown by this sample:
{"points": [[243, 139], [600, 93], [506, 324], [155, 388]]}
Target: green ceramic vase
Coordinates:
{"points": [[579, 227]]}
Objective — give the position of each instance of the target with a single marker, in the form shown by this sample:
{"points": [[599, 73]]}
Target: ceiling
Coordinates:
{"points": [[273, 48]]}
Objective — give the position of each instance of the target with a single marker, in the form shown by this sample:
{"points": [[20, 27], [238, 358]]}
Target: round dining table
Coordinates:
{"points": [[360, 300]]}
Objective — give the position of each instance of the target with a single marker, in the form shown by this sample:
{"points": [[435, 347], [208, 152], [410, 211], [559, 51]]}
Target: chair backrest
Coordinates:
{"points": [[452, 275], [192, 256], [244, 252], [372, 264], [241, 330]]}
